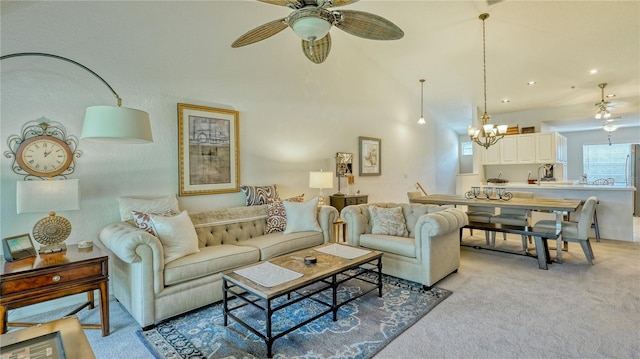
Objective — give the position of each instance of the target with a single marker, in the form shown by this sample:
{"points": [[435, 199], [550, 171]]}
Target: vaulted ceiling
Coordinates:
{"points": [[554, 43]]}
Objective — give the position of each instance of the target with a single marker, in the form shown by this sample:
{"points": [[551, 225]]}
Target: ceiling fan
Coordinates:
{"points": [[311, 20], [603, 106]]}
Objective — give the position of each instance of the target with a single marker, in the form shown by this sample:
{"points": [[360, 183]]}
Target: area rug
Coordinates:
{"points": [[364, 326]]}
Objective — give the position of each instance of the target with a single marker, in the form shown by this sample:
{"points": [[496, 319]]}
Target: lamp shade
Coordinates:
{"points": [[320, 180], [116, 125], [49, 195]]}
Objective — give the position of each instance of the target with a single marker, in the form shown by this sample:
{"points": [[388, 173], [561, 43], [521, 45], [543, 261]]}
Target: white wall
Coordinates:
{"points": [[294, 115]]}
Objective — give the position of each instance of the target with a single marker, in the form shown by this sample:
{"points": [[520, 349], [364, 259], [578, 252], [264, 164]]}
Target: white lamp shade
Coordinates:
{"points": [[311, 27], [320, 180], [113, 124], [48, 195]]}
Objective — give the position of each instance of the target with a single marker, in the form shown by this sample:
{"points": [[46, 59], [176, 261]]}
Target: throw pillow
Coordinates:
{"points": [[167, 204], [143, 221], [177, 234], [277, 216], [389, 221], [257, 195], [302, 216]]}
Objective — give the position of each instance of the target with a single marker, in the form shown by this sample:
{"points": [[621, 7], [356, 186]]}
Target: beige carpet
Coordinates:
{"points": [[503, 306]]}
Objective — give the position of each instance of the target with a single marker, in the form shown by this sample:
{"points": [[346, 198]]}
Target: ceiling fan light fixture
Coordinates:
{"points": [[610, 128], [311, 23]]}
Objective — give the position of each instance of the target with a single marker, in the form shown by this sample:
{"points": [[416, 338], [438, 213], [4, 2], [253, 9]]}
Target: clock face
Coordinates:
{"points": [[44, 156]]}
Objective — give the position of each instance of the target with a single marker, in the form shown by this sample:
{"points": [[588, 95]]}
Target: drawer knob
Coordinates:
{"points": [[56, 278]]}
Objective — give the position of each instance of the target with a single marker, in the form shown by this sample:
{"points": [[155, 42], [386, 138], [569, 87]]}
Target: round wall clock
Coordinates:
{"points": [[44, 156]]}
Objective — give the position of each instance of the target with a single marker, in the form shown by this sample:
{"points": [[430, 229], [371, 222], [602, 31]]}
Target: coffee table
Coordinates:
{"points": [[327, 274]]}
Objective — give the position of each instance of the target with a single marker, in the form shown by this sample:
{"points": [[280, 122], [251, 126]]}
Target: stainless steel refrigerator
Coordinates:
{"points": [[634, 177]]}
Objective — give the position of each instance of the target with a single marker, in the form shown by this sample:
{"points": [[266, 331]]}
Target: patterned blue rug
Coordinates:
{"points": [[364, 326]]}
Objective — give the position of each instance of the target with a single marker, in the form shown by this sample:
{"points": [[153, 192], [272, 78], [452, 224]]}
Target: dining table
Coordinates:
{"points": [[560, 207]]}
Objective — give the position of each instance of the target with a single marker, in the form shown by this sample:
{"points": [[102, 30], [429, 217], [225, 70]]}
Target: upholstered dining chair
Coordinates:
{"points": [[513, 217], [577, 232]]}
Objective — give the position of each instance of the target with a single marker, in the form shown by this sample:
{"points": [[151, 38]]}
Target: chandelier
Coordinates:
{"points": [[488, 134]]}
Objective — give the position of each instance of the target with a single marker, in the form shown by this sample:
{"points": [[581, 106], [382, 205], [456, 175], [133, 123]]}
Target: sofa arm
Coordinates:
{"points": [[357, 222], [441, 222], [327, 216], [124, 240]]}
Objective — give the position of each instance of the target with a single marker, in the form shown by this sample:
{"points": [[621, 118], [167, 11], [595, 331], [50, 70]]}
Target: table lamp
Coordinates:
{"points": [[321, 180], [49, 196]]}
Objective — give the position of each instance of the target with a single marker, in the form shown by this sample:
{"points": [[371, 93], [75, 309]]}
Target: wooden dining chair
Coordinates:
{"points": [[577, 232], [414, 195]]}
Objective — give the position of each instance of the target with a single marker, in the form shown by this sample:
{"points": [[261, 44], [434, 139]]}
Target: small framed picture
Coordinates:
{"points": [[18, 247], [370, 155]]}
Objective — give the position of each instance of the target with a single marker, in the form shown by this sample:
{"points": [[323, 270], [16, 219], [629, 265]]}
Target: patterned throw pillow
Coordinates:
{"points": [[389, 221], [277, 216], [257, 195], [143, 220]]}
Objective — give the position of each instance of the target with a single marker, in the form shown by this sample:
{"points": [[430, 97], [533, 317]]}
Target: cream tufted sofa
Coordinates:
{"points": [[430, 252], [228, 238]]}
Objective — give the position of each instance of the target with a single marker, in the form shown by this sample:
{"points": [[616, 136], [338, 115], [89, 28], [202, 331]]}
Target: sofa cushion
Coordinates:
{"points": [[164, 205], [208, 261], [389, 221], [279, 243], [403, 246], [302, 216], [257, 195], [177, 234], [277, 220]]}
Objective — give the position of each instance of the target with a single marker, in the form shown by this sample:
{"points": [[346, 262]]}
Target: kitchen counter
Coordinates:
{"points": [[565, 186], [615, 208]]}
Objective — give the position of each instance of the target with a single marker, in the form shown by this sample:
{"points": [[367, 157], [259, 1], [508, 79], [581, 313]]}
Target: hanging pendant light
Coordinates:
{"points": [[488, 134], [421, 120]]}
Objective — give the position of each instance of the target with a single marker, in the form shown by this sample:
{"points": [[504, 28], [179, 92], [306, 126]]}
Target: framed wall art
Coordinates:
{"points": [[370, 155], [209, 150]]}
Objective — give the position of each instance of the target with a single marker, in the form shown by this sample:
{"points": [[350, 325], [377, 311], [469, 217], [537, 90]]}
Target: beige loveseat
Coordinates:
{"points": [[152, 290], [426, 253]]}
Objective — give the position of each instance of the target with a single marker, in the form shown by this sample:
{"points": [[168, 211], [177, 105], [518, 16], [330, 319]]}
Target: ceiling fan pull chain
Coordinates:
{"points": [[311, 41]]}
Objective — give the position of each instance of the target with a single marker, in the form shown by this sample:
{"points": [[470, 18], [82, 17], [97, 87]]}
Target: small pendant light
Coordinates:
{"points": [[421, 120]]}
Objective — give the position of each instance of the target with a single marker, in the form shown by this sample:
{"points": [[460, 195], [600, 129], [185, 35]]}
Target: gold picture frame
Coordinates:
{"points": [[370, 156], [209, 150]]}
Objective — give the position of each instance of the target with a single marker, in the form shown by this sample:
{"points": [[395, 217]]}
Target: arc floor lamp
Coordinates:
{"points": [[108, 124]]}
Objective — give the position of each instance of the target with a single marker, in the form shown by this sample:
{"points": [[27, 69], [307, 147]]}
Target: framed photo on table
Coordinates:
{"points": [[370, 156], [208, 145], [18, 247]]}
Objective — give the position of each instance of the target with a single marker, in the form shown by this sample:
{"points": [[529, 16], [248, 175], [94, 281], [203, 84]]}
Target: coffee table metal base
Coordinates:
{"points": [[331, 282]]}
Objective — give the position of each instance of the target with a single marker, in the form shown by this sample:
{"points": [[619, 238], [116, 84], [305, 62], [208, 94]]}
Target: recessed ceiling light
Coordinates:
{"points": [[505, 100], [611, 95], [531, 83], [594, 71]]}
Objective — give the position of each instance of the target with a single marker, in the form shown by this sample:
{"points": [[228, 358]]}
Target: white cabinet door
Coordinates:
{"points": [[491, 155], [526, 149], [508, 151], [546, 148]]}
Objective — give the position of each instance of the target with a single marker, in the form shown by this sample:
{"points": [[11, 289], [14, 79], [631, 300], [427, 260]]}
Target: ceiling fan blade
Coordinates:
{"points": [[294, 4], [260, 33], [319, 51], [368, 26]]}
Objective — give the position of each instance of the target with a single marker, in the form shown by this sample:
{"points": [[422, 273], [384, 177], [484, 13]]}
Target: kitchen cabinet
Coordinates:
{"points": [[546, 147], [526, 149], [509, 150], [550, 147]]}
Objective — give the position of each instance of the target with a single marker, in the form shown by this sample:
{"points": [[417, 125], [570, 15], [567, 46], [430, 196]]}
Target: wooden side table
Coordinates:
{"points": [[339, 202], [55, 275], [339, 231]]}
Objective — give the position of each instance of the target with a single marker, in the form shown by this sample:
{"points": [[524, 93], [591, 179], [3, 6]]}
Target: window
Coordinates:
{"points": [[605, 161], [467, 148]]}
